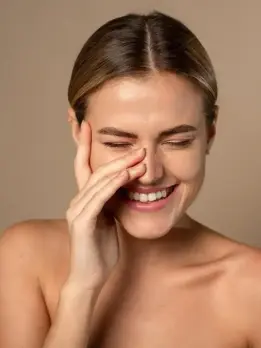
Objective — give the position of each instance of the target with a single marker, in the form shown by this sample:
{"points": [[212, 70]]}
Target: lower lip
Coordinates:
{"points": [[150, 206]]}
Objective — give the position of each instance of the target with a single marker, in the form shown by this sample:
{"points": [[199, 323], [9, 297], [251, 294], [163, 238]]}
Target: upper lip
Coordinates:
{"points": [[147, 189]]}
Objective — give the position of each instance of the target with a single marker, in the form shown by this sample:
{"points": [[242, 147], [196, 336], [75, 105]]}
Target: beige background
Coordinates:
{"points": [[39, 42]]}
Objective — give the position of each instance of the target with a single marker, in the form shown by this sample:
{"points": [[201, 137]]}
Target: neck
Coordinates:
{"points": [[178, 248]]}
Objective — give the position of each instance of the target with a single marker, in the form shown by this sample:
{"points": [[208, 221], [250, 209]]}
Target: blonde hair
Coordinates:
{"points": [[136, 45]]}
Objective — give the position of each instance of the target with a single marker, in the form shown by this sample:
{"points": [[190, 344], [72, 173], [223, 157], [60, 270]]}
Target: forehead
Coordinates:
{"points": [[159, 100]]}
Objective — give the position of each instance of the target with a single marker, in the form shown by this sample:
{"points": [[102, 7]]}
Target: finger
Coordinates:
{"points": [[119, 179], [133, 172], [82, 159], [111, 168], [78, 203], [96, 204], [87, 194]]}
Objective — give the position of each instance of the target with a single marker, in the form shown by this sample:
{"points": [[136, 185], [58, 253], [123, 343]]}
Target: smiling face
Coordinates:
{"points": [[162, 113]]}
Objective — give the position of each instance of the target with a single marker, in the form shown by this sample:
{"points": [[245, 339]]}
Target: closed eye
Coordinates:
{"points": [[123, 145], [182, 143]]}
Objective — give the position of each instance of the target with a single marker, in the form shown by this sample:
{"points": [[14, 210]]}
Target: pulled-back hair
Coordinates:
{"points": [[135, 46]]}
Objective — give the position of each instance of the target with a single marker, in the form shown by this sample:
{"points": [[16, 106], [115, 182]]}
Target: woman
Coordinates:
{"points": [[128, 267]]}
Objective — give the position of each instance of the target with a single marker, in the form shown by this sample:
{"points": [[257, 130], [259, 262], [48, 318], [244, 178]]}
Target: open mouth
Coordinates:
{"points": [[147, 197]]}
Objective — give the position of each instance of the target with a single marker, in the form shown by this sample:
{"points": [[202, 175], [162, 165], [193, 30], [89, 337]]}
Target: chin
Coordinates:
{"points": [[149, 228], [155, 220]]}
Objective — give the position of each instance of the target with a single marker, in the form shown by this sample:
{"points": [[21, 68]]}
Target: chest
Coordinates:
{"points": [[159, 313], [164, 316]]}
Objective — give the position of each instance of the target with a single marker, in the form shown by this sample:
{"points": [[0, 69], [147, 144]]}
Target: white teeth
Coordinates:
{"points": [[136, 196], [158, 195], [143, 198], [151, 197]]}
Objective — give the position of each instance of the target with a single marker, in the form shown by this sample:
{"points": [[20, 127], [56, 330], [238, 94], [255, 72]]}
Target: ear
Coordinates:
{"points": [[211, 132], [75, 128]]}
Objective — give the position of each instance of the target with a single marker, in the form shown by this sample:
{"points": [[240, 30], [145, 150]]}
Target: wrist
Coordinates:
{"points": [[74, 292]]}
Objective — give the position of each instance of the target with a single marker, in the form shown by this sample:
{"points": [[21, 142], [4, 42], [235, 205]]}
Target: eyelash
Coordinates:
{"points": [[181, 144], [117, 144]]}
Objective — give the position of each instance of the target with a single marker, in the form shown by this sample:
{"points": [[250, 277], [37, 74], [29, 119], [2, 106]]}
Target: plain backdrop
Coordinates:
{"points": [[39, 43]]}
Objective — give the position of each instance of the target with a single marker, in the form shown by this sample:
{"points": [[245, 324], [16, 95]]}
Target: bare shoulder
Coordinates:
{"points": [[30, 252], [239, 262], [243, 257], [35, 227], [242, 285], [237, 254], [38, 250], [41, 246], [247, 270], [247, 285], [34, 236]]}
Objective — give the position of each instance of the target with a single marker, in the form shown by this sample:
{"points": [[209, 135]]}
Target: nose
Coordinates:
{"points": [[154, 168]]}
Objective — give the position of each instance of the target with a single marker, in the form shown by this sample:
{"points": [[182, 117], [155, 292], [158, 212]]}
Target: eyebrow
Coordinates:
{"points": [[183, 128]]}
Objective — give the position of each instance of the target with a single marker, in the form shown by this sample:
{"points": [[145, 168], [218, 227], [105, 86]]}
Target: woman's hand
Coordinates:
{"points": [[94, 245]]}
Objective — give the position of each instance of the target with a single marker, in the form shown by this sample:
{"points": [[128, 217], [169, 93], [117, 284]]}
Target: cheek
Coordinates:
{"points": [[188, 166], [100, 155]]}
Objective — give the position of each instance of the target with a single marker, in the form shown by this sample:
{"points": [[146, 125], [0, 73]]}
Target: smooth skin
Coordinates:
{"points": [[89, 229], [160, 280]]}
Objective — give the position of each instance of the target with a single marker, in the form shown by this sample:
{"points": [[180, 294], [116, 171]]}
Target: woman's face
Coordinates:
{"points": [[163, 114]]}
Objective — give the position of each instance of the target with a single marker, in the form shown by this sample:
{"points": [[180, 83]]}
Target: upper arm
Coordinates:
{"points": [[255, 328], [24, 321], [253, 304]]}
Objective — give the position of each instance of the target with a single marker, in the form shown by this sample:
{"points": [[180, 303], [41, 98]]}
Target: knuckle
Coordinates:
{"points": [[72, 203], [76, 159], [75, 199], [69, 215], [75, 223]]}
